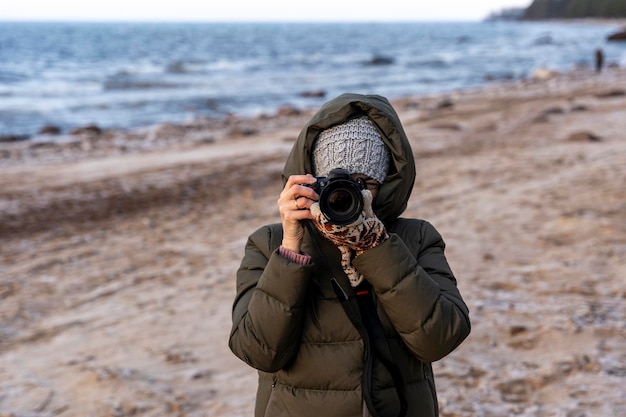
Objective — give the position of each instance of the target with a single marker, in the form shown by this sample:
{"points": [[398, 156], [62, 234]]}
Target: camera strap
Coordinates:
{"points": [[374, 339], [382, 351], [358, 304]]}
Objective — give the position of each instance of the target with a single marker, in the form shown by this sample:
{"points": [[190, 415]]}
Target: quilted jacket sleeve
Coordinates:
{"points": [[417, 290], [268, 308]]}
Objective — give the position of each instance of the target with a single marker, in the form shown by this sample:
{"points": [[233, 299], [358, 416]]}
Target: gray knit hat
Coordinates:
{"points": [[354, 145]]}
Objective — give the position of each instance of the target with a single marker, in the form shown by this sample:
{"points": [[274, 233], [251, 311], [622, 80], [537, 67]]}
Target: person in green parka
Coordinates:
{"points": [[345, 319]]}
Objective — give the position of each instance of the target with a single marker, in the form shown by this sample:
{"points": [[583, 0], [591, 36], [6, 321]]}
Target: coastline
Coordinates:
{"points": [[91, 141], [215, 81], [618, 21], [119, 250]]}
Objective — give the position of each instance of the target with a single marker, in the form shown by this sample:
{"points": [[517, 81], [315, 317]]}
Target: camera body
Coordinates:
{"points": [[340, 200]]}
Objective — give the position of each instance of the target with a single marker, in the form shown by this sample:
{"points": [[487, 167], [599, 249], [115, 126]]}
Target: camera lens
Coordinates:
{"points": [[342, 202]]}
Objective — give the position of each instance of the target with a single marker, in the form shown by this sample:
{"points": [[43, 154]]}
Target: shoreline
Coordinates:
{"points": [[138, 139]]}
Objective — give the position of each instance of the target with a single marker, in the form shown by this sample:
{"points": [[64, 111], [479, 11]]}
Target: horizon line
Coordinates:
{"points": [[132, 20]]}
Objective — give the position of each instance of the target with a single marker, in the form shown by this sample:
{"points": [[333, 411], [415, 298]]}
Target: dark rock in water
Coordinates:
{"points": [[617, 36], [313, 93], [50, 130], [498, 77], [380, 60], [89, 129], [13, 138], [544, 40], [176, 68]]}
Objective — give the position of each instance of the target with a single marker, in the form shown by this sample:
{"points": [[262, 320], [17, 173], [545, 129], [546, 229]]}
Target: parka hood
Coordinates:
{"points": [[396, 189]]}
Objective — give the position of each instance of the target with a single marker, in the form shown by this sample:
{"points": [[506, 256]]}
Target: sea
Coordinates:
{"points": [[131, 75]]}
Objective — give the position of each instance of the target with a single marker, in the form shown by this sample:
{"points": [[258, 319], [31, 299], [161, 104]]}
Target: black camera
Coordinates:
{"points": [[340, 200]]}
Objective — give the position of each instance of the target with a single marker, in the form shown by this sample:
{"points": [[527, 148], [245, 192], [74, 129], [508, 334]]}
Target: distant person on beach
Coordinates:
{"points": [[343, 306], [599, 55]]}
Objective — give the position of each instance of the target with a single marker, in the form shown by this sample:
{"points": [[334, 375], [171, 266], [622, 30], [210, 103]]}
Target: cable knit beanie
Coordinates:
{"points": [[354, 145]]}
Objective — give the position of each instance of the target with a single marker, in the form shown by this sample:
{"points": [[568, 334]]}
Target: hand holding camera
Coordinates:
{"points": [[293, 204], [344, 212], [366, 232]]}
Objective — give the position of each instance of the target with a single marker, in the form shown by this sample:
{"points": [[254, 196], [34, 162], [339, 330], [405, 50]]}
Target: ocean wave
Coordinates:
{"points": [[10, 77]]}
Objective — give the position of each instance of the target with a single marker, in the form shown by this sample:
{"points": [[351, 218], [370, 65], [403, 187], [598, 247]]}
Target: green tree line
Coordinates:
{"points": [[572, 9]]}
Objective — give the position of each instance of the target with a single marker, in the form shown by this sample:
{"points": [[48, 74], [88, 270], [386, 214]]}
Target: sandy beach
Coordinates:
{"points": [[118, 251]]}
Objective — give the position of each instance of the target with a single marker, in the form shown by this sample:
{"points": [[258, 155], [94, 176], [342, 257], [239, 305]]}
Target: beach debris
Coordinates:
{"points": [[244, 131], [177, 356], [411, 104], [447, 126], [579, 107], [517, 329], [204, 140], [553, 110], [517, 390], [611, 93], [165, 131], [583, 136], [544, 74], [288, 110], [13, 138], [88, 129], [50, 130], [446, 103], [127, 408], [199, 374], [544, 116], [47, 145]]}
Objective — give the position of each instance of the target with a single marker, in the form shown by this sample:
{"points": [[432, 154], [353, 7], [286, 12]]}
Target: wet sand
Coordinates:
{"points": [[118, 252]]}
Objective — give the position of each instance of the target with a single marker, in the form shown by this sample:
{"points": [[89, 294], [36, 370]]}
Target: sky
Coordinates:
{"points": [[252, 10]]}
